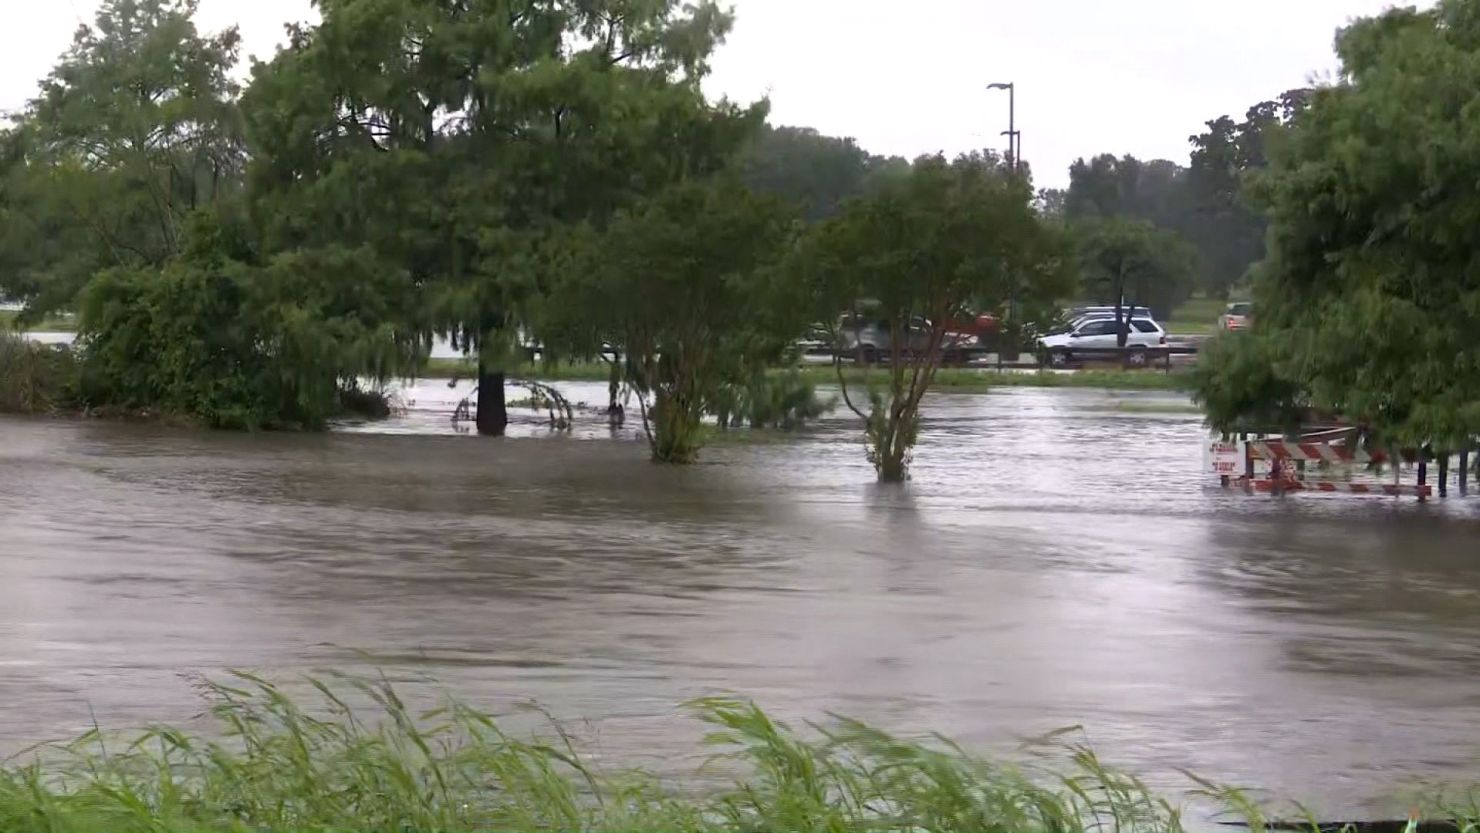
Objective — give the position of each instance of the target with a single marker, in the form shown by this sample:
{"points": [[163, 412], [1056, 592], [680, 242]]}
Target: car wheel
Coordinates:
{"points": [[1058, 358], [1137, 357]]}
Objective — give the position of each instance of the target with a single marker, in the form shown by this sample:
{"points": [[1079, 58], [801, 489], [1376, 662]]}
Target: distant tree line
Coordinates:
{"points": [[1150, 232], [814, 172], [1182, 229]]}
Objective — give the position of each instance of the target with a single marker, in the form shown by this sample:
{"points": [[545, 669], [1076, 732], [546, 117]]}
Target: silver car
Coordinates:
{"points": [[870, 339]]}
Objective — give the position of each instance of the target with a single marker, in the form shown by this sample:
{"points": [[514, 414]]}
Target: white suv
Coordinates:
{"points": [[1092, 336]]}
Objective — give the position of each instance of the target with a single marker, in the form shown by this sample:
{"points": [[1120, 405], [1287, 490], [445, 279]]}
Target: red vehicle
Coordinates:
{"points": [[981, 325]]}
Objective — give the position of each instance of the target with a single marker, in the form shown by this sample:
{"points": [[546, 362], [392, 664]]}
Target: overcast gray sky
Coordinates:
{"points": [[1130, 76]]}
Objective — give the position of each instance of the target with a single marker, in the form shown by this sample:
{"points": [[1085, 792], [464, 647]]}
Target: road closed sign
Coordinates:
{"points": [[1224, 458]]}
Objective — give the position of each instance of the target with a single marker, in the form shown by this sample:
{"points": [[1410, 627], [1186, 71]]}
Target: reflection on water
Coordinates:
{"points": [[1056, 560]]}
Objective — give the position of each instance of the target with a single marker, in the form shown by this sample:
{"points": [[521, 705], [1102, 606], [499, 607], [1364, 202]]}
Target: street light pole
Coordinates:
{"points": [[1015, 149], [1014, 138]]}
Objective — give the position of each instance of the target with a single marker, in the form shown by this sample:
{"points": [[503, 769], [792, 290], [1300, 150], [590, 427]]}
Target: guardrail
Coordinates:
{"points": [[1132, 357], [1135, 356]]}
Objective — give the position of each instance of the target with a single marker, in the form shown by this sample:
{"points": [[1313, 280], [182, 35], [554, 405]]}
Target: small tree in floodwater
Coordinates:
{"points": [[681, 288], [912, 258]]}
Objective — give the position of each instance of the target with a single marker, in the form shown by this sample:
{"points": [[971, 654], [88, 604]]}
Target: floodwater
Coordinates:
{"points": [[1057, 560]]}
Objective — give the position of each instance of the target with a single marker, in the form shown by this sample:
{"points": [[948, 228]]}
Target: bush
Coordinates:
{"points": [[238, 345], [1243, 379], [787, 401], [35, 378], [356, 401]]}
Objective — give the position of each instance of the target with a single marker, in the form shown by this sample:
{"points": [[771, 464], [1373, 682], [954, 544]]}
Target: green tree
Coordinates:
{"points": [[1054, 203], [1367, 302], [1225, 226], [815, 172], [235, 344], [124, 195], [1107, 186], [1103, 186], [682, 288], [452, 139], [1207, 203], [1133, 263], [135, 129], [916, 252]]}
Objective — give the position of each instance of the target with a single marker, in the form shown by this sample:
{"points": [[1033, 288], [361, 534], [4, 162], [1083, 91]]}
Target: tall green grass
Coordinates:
{"points": [[35, 378], [268, 764]]}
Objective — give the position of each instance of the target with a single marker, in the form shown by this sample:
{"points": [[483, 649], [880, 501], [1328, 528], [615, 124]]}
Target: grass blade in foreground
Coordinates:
{"points": [[273, 765]]}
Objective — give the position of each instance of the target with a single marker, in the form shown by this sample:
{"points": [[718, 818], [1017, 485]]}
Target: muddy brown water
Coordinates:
{"points": [[1057, 560]]}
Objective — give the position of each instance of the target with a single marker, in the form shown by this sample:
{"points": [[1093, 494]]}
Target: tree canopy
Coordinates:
{"points": [[816, 173], [134, 129], [394, 173], [918, 252], [449, 139], [1367, 305], [1134, 263], [1207, 204], [681, 288]]}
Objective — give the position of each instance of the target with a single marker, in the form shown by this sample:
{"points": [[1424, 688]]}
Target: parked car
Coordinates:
{"points": [[869, 339], [1074, 316], [981, 325], [1090, 335], [1238, 316], [1068, 325]]}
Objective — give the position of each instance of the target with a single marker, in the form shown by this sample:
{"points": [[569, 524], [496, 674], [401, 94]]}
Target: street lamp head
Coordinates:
{"points": [[999, 86]]}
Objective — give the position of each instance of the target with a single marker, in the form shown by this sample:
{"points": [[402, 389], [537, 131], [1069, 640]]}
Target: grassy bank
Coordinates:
{"points": [[961, 379], [277, 767], [1198, 316], [49, 324]]}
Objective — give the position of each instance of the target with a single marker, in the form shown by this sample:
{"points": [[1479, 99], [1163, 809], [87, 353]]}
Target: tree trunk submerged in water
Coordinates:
{"points": [[493, 411], [893, 426], [890, 450], [673, 428]]}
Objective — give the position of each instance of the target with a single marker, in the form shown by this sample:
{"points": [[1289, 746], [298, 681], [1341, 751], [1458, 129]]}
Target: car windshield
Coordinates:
{"points": [[1240, 309]]}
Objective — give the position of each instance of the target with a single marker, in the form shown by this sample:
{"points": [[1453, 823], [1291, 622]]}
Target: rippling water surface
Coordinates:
{"points": [[1056, 560]]}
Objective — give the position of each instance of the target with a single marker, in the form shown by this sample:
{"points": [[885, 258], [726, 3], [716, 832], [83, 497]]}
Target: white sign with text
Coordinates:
{"points": [[1224, 458]]}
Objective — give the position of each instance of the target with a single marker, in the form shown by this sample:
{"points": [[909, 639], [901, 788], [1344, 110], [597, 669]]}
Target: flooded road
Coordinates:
{"points": [[1058, 559]]}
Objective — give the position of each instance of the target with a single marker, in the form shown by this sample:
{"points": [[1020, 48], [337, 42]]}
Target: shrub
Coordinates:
{"points": [[35, 378], [785, 400], [239, 345]]}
